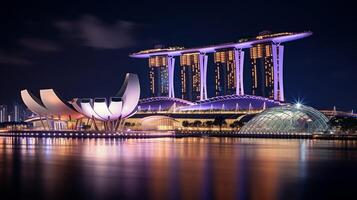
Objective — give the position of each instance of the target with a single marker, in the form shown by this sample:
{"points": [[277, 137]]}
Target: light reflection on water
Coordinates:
{"points": [[187, 168]]}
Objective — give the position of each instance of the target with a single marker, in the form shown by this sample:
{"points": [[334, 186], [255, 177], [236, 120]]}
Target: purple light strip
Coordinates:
{"points": [[241, 72], [239, 61], [281, 85], [171, 68], [275, 64], [203, 73], [278, 59]]}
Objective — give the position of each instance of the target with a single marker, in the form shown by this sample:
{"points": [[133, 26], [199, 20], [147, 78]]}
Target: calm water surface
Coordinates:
{"points": [[187, 168]]}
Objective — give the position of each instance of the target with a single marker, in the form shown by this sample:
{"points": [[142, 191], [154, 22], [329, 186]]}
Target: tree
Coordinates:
{"points": [[209, 124], [197, 123], [219, 121], [185, 123], [344, 123], [236, 124]]}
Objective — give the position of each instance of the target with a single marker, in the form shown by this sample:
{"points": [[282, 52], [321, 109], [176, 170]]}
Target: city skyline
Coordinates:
{"points": [[230, 99], [62, 47], [15, 112]]}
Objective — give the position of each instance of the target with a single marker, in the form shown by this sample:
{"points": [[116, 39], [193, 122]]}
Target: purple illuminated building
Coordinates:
{"points": [[267, 66], [162, 104], [237, 103]]}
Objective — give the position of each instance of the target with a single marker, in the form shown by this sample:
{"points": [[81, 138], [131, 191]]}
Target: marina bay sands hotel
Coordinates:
{"points": [[266, 53]]}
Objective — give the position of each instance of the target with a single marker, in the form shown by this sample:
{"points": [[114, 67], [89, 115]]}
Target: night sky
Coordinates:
{"points": [[81, 49]]}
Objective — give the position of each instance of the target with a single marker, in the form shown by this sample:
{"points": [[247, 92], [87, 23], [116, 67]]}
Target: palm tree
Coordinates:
{"points": [[236, 124], [197, 123], [219, 121], [209, 124], [185, 123]]}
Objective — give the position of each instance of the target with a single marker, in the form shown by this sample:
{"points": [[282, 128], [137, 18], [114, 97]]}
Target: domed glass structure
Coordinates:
{"points": [[289, 119]]}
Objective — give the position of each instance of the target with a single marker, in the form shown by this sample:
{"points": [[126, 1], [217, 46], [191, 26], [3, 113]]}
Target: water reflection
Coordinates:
{"points": [[188, 168]]}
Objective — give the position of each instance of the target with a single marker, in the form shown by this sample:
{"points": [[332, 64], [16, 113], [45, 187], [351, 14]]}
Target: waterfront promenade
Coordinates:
{"points": [[173, 134]]}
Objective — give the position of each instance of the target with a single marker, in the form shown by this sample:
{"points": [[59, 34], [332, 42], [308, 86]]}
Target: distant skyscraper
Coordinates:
{"points": [[190, 76], [158, 74], [225, 72], [16, 113], [3, 113], [262, 70]]}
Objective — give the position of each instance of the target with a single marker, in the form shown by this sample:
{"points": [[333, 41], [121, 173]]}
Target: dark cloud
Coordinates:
{"points": [[26, 47], [13, 59], [99, 34], [39, 44]]}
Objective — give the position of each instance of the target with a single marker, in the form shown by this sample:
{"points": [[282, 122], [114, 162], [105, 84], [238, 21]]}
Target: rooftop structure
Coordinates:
{"points": [[276, 38], [50, 105], [233, 103], [162, 104]]}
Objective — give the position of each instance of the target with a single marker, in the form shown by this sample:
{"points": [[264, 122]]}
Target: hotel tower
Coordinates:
{"points": [[262, 70], [266, 63], [158, 75], [225, 72], [190, 76]]}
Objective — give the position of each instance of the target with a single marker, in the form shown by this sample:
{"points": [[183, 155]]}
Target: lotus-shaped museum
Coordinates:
{"points": [[102, 113]]}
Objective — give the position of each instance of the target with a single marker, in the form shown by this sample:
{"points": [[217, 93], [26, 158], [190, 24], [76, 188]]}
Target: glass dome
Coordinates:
{"points": [[289, 119]]}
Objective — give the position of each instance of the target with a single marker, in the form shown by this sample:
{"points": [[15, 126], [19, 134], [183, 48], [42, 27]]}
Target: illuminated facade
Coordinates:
{"points": [[262, 70], [190, 74], [158, 122], [159, 77], [267, 67], [225, 73]]}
